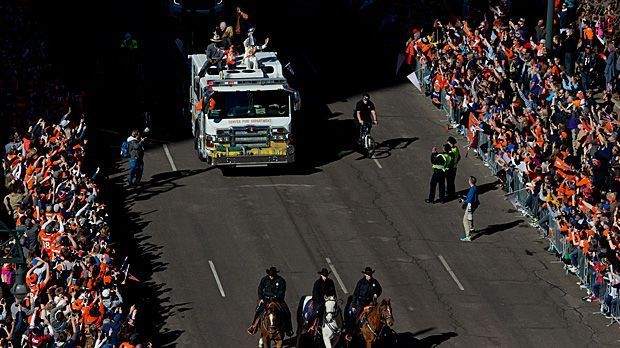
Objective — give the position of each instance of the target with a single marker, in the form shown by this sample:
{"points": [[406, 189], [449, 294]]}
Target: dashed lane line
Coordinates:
{"points": [[338, 279], [169, 156], [217, 278], [447, 267], [378, 164]]}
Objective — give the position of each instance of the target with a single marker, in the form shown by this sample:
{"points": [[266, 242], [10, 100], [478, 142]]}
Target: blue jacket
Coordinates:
{"points": [[472, 196]]}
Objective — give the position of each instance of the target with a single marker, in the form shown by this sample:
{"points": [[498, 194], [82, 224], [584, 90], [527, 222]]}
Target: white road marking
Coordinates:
{"points": [[456, 280], [338, 279], [377, 162], [278, 185], [217, 279], [169, 156]]}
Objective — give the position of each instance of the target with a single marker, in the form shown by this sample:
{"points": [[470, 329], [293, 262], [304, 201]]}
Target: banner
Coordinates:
{"points": [[414, 79]]}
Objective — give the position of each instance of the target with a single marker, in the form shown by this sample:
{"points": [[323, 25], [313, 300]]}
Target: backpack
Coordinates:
{"points": [[125, 149]]}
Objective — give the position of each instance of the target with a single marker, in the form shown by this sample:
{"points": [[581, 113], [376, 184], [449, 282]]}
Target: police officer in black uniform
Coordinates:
{"points": [[272, 288], [323, 287], [440, 163], [367, 291]]}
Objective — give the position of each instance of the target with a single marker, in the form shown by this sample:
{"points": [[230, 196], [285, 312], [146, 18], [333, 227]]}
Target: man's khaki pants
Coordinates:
{"points": [[468, 220]]}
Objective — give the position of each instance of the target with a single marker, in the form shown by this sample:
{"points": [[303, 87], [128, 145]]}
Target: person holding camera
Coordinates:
{"points": [[470, 204]]}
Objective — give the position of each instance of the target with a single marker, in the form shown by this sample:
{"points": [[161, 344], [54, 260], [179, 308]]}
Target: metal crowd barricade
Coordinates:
{"points": [[556, 239], [423, 73], [446, 105], [610, 304]]}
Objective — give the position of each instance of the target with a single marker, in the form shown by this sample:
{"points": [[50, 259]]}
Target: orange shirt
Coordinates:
{"points": [[47, 240], [35, 288]]}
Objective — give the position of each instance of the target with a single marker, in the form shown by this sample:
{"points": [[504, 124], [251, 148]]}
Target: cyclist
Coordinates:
{"points": [[365, 116]]}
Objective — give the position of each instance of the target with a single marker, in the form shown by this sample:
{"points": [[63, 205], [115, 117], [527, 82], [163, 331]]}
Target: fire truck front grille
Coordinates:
{"points": [[251, 137]]}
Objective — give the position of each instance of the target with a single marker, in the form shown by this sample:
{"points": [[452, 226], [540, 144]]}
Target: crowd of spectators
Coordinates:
{"points": [[73, 276], [546, 113]]}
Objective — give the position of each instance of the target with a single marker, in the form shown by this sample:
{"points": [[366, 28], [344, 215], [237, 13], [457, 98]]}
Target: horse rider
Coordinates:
{"points": [[323, 287], [366, 293], [272, 288]]}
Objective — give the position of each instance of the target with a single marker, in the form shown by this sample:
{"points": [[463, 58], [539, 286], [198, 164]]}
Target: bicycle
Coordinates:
{"points": [[367, 141]]}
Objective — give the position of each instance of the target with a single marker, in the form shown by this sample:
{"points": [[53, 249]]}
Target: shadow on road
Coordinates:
{"points": [[164, 182], [385, 148], [492, 229], [408, 340]]}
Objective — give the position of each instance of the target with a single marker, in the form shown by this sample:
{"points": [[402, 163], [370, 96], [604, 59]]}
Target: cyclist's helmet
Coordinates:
{"points": [[366, 96]]}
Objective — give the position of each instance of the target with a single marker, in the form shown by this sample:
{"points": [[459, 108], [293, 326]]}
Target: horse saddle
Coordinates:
{"points": [[361, 317], [309, 312]]}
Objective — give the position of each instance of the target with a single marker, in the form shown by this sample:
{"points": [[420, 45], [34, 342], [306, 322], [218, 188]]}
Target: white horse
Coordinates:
{"points": [[332, 321]]}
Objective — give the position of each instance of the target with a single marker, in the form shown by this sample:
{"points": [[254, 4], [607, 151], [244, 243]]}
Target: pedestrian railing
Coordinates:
{"points": [[526, 198]]}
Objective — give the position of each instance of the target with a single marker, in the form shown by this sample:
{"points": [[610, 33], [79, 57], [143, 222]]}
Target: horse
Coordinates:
{"points": [[332, 321], [376, 321], [271, 326]]}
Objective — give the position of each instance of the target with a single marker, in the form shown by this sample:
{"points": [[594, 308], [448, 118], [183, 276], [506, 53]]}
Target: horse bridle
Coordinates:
{"points": [[329, 323], [384, 318], [383, 322], [272, 329]]}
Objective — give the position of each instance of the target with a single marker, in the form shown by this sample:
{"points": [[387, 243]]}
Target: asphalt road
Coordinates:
{"points": [[357, 212]]}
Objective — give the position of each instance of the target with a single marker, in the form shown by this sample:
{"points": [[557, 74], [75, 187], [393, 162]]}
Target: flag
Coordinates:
{"points": [[129, 275], [414, 79]]}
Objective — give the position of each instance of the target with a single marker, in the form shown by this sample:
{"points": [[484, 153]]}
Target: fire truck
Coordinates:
{"points": [[241, 116]]}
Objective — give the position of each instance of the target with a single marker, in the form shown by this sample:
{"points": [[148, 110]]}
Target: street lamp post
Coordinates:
{"points": [[549, 26], [19, 290]]}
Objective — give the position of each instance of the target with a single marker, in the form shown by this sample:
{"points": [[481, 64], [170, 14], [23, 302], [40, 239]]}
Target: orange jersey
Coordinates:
{"points": [[47, 240]]}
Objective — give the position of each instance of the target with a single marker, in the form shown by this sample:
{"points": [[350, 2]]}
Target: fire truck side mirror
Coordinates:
{"points": [[297, 100]]}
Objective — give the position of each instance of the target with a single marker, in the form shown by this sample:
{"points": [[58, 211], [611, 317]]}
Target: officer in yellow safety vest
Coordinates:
{"points": [[455, 157], [129, 43], [440, 163]]}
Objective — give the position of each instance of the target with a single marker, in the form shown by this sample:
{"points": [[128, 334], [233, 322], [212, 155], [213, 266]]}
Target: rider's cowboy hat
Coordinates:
{"points": [[324, 272], [272, 271], [216, 38], [368, 271]]}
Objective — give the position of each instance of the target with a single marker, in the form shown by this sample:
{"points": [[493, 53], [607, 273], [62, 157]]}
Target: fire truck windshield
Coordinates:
{"points": [[248, 104]]}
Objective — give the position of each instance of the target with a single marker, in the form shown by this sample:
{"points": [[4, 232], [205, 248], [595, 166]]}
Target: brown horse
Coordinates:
{"points": [[376, 321], [271, 326]]}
